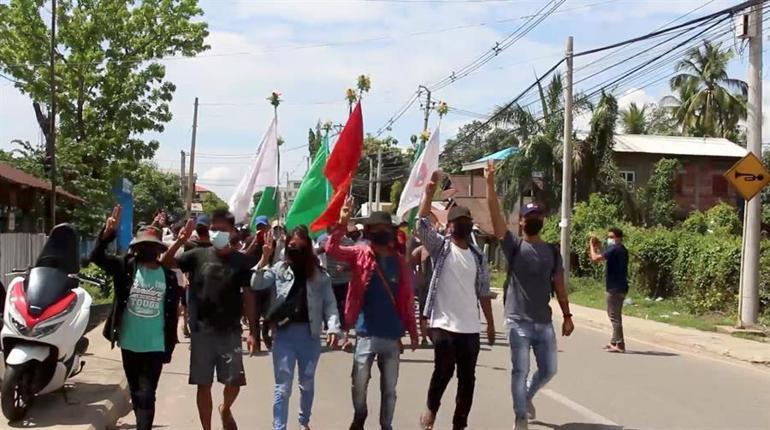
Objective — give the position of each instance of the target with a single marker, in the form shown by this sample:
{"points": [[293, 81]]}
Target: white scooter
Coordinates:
{"points": [[45, 318]]}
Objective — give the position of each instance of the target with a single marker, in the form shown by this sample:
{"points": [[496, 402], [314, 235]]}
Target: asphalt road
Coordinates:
{"points": [[650, 387]]}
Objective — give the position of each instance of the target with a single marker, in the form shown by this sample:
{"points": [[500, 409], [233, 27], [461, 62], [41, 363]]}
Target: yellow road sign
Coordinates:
{"points": [[748, 176]]}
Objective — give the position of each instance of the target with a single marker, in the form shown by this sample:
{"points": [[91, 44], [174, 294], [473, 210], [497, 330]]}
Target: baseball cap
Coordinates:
{"points": [[458, 212], [203, 220], [532, 208], [261, 220]]}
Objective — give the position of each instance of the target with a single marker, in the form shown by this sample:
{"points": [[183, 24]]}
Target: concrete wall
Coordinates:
{"points": [[699, 183]]}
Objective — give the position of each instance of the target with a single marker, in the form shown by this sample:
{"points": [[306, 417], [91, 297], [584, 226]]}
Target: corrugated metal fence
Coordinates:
{"points": [[18, 251]]}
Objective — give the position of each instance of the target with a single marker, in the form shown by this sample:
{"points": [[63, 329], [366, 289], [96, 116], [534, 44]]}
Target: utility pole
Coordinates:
{"points": [[52, 116], [749, 291], [566, 179], [379, 177], [191, 177], [182, 182], [428, 106], [371, 184]]}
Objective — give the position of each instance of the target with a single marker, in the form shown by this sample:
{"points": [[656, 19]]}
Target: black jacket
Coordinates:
{"points": [[122, 269]]}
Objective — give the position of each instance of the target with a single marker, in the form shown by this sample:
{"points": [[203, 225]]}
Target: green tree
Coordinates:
{"points": [[634, 119], [154, 191], [395, 166], [708, 102], [111, 89], [468, 146], [212, 202], [657, 198]]}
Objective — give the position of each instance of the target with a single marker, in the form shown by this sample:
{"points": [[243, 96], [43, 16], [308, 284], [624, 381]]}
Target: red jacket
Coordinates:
{"points": [[362, 262]]}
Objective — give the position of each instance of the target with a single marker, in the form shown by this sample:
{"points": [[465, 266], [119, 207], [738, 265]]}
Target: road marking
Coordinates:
{"points": [[588, 414]]}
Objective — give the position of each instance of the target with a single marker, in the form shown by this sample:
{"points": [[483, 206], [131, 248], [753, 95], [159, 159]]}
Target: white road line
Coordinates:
{"points": [[588, 414]]}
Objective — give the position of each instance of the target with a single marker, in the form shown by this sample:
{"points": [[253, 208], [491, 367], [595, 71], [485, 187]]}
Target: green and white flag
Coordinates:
{"points": [[314, 192]]}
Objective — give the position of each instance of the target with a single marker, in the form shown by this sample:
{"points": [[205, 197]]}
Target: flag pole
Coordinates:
{"points": [[275, 100]]}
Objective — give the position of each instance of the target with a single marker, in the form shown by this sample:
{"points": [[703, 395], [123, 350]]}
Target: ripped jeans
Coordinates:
{"points": [[294, 346]]}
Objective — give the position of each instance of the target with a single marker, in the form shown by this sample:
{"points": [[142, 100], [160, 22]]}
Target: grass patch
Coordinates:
{"points": [[591, 293], [96, 294]]}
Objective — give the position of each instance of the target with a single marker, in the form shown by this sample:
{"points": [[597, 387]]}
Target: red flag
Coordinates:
{"points": [[342, 166]]}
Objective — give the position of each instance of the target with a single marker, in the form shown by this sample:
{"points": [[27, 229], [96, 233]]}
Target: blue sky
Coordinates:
{"points": [[312, 50]]}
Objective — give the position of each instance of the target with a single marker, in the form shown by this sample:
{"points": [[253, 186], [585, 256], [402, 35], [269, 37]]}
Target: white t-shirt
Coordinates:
{"points": [[457, 307]]}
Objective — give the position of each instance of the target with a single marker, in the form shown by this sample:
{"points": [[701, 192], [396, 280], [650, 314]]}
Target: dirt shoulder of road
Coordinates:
{"points": [[95, 399], [661, 334]]}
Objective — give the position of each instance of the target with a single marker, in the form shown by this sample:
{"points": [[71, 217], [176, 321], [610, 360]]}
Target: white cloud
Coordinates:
{"points": [[635, 95]]}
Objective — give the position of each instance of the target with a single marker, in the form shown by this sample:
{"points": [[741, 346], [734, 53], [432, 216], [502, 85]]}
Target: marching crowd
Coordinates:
{"points": [[368, 279]]}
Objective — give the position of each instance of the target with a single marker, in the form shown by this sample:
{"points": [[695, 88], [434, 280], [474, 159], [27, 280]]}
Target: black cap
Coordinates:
{"points": [[379, 217], [532, 208], [458, 212]]}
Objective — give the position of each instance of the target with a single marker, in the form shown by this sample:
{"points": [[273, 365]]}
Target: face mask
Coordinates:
{"points": [[611, 242], [219, 239], [295, 253], [533, 226], [354, 236], [148, 255], [381, 238], [462, 230]]}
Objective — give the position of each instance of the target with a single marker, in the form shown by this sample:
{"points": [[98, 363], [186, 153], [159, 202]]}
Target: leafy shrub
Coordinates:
{"points": [[653, 253], [591, 218], [707, 271], [723, 219], [696, 222], [104, 291], [551, 231]]}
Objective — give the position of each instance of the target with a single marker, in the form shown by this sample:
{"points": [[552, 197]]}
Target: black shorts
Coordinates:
{"points": [[210, 351]]}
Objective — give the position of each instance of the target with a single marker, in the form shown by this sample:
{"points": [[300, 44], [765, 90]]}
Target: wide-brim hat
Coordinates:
{"points": [[148, 235], [379, 217]]}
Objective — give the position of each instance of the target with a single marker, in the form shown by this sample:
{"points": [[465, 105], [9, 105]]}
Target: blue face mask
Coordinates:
{"points": [[219, 239]]}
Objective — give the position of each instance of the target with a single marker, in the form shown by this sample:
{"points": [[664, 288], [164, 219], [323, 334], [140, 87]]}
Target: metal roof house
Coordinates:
{"points": [[700, 184]]}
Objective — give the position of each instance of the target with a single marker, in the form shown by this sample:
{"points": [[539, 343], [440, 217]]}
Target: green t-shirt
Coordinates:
{"points": [[142, 322]]}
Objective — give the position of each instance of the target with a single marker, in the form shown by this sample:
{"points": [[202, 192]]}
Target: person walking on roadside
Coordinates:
{"points": [[380, 305], [301, 301], [144, 312], [536, 271], [216, 275], [616, 256], [423, 272], [460, 283]]}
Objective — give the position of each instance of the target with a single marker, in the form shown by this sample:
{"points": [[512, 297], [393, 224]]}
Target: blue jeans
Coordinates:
{"points": [[388, 353], [522, 336], [294, 345]]}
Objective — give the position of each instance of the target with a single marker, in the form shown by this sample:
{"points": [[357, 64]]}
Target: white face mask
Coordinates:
{"points": [[611, 242], [219, 239]]}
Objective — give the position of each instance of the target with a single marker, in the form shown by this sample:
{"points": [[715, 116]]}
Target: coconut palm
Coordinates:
{"points": [[708, 102], [634, 119]]}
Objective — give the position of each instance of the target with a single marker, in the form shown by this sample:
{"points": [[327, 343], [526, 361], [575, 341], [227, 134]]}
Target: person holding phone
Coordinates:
{"points": [[458, 287]]}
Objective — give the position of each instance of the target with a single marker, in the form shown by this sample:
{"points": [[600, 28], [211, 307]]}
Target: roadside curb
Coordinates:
{"points": [[116, 406], [693, 340]]}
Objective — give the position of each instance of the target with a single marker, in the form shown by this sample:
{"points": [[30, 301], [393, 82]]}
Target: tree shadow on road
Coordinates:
{"points": [[82, 406], [578, 426]]}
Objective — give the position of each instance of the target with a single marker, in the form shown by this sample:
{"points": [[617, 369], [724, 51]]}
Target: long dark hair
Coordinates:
{"points": [[311, 260]]}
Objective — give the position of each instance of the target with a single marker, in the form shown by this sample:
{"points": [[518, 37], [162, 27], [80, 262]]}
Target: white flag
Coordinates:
{"points": [[263, 173], [420, 176]]}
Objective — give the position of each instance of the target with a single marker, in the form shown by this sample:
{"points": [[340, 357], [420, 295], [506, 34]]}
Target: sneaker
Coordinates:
{"points": [[521, 425], [531, 412]]}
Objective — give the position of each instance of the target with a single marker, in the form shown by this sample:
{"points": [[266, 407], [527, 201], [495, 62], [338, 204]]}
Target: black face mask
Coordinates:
{"points": [[533, 226], [147, 255], [381, 238], [462, 230], [355, 236], [295, 254]]}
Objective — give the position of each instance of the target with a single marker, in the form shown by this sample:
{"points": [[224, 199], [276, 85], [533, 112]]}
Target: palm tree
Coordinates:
{"points": [[634, 119], [708, 102]]}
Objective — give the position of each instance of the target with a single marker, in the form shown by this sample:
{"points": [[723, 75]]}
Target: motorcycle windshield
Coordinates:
{"points": [[48, 281]]}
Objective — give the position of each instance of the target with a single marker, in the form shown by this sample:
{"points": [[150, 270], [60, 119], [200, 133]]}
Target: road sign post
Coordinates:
{"points": [[748, 176]]}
